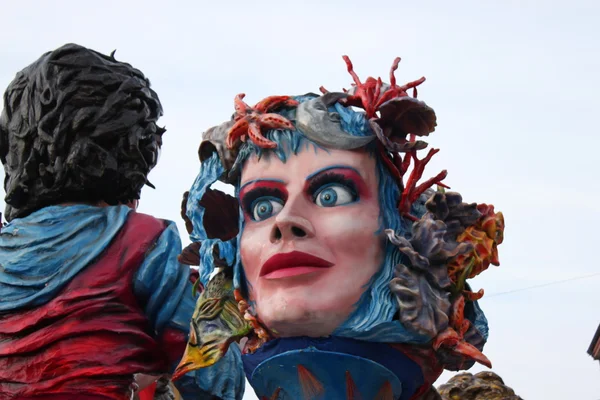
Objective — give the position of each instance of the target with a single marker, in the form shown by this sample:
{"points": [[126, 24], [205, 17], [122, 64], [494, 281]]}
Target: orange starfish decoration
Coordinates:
{"points": [[249, 121]]}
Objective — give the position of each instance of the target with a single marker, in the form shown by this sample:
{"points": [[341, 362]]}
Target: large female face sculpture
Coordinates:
{"points": [[311, 240], [336, 241]]}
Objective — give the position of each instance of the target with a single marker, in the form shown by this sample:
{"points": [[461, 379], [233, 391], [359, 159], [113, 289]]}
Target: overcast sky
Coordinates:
{"points": [[515, 87]]}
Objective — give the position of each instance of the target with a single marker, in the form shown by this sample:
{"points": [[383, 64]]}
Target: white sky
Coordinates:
{"points": [[514, 85]]}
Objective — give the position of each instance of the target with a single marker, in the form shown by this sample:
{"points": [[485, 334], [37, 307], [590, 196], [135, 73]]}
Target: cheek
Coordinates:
{"points": [[341, 224], [251, 245], [351, 234]]}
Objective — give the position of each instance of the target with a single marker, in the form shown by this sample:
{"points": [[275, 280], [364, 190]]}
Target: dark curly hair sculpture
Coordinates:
{"points": [[77, 126]]}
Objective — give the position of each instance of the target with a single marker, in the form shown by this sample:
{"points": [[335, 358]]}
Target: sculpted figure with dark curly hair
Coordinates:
{"points": [[91, 290]]}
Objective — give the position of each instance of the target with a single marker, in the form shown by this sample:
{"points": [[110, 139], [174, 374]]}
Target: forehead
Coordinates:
{"points": [[306, 162]]}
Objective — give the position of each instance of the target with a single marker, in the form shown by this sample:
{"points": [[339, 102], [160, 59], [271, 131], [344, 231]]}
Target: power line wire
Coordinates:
{"points": [[541, 285]]}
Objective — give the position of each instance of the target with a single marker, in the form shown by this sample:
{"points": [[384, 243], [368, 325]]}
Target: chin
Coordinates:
{"points": [[286, 320]]}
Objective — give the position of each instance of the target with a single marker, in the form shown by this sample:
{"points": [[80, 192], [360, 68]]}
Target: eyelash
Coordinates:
{"points": [[259, 192], [316, 184], [328, 178]]}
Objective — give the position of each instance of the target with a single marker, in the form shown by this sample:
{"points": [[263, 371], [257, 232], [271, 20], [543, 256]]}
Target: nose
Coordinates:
{"points": [[288, 225]]}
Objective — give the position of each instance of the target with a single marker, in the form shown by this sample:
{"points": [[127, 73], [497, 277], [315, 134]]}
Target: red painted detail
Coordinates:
{"points": [[174, 342], [65, 397], [311, 386], [148, 393], [428, 362], [351, 389], [91, 338], [194, 275]]}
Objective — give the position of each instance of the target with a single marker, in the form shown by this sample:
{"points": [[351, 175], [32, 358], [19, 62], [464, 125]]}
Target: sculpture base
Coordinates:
{"points": [[331, 368]]}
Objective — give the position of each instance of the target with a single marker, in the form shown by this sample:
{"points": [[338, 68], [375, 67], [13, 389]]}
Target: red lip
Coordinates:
{"points": [[300, 262]]}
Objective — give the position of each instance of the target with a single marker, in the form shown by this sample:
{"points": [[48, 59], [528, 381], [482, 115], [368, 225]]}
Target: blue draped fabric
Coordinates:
{"points": [[41, 253]]}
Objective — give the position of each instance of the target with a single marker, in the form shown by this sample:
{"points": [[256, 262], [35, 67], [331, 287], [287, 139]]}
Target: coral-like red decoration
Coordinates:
{"points": [[250, 121], [410, 190], [452, 338], [371, 94]]}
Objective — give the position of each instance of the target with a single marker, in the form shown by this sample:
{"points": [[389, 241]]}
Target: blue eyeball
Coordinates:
{"points": [[265, 208], [334, 195]]}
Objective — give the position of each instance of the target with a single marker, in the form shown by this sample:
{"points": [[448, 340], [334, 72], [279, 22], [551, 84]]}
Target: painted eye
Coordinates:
{"points": [[264, 208], [334, 195]]}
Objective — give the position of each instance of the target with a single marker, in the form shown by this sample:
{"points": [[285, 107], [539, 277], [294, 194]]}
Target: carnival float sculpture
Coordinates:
{"points": [[91, 292], [337, 270]]}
